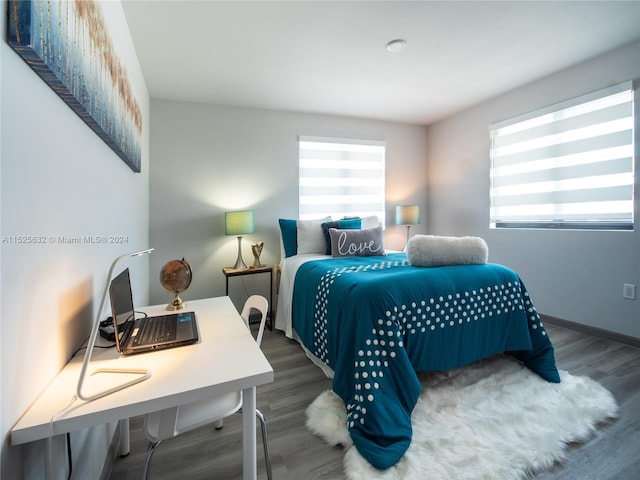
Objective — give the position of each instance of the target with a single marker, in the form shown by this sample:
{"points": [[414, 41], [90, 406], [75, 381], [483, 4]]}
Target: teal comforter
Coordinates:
{"points": [[376, 321]]}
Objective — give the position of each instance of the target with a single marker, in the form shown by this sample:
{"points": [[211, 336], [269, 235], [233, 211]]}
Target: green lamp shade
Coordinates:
{"points": [[238, 223]]}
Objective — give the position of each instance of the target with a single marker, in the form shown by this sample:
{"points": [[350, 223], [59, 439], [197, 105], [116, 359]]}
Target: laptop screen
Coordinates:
{"points": [[121, 303]]}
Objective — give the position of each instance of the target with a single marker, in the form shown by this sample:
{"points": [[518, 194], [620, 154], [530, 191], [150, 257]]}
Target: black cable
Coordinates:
{"points": [[69, 456], [144, 315], [95, 346]]}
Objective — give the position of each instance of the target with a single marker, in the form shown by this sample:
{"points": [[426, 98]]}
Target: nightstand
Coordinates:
{"points": [[238, 272]]}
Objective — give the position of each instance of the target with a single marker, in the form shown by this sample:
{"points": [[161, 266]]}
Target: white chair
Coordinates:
{"points": [[168, 423]]}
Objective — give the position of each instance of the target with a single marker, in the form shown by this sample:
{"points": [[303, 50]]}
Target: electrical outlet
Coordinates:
{"points": [[629, 291]]}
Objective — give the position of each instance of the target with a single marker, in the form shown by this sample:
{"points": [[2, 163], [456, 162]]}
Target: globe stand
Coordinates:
{"points": [[176, 277], [177, 304]]}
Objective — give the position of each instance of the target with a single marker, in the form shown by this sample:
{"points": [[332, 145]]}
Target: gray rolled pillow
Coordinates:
{"points": [[437, 251], [356, 243]]}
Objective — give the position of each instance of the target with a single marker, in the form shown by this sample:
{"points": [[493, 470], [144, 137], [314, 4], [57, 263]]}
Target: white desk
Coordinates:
{"points": [[225, 359]]}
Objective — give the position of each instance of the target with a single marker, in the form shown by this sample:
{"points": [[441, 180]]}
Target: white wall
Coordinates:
{"points": [[573, 275], [59, 178], [208, 159]]}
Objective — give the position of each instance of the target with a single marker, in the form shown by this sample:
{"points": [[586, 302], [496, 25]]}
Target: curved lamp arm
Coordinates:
{"points": [[141, 374]]}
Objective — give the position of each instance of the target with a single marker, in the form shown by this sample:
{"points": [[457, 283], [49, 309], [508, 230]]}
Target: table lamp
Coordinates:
{"points": [[239, 223], [407, 215], [140, 375]]}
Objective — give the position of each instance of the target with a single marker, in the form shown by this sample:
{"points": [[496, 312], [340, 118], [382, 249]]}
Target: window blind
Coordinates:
{"points": [[570, 165], [341, 178]]}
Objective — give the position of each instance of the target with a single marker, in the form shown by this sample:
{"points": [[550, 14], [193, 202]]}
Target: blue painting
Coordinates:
{"points": [[67, 43]]}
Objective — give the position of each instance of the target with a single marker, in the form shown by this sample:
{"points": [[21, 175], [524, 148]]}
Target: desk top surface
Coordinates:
{"points": [[226, 358]]}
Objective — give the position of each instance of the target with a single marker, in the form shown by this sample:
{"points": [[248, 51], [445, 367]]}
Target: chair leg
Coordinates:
{"points": [[265, 444], [147, 463]]}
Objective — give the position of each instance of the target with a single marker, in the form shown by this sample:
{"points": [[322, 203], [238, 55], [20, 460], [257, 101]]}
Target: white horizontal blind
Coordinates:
{"points": [[568, 166], [341, 178]]}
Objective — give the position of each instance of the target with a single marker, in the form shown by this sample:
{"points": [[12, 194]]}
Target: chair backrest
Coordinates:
{"points": [[256, 302]]}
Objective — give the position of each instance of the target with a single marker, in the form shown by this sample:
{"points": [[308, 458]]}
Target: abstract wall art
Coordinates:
{"points": [[67, 43]]}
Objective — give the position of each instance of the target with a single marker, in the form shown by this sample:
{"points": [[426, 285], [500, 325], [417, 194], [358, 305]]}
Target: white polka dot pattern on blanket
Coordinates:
{"points": [[320, 310], [417, 317]]}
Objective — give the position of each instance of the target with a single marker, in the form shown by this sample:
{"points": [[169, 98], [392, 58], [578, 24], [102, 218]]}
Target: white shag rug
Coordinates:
{"points": [[494, 419]]}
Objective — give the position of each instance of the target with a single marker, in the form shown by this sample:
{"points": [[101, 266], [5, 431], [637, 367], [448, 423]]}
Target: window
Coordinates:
{"points": [[341, 178], [568, 166]]}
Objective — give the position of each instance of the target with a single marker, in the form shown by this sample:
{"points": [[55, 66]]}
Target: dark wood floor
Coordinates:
{"points": [[206, 453]]}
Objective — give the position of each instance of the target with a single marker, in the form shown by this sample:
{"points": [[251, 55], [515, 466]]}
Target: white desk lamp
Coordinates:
{"points": [[141, 374]]}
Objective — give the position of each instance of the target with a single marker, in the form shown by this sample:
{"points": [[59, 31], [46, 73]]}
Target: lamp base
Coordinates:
{"points": [[116, 382], [239, 265]]}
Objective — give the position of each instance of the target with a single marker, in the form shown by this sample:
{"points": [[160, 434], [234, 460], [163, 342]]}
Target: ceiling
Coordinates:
{"points": [[329, 57]]}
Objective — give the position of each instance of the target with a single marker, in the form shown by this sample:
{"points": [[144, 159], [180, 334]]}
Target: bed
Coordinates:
{"points": [[372, 322]]}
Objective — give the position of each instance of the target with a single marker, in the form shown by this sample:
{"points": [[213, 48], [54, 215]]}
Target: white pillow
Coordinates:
{"points": [[311, 237], [370, 222]]}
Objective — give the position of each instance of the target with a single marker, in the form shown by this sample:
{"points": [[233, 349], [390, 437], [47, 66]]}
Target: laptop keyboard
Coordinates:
{"points": [[158, 330]]}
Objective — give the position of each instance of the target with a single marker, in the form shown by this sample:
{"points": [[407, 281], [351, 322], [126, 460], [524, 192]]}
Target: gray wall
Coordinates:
{"points": [[573, 275], [207, 160], [59, 178]]}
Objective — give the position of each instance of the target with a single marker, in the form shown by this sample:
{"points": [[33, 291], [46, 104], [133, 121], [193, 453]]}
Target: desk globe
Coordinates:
{"points": [[176, 276]]}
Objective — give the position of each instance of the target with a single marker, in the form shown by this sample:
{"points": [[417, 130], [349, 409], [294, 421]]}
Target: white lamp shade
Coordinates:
{"points": [[238, 223], [407, 215]]}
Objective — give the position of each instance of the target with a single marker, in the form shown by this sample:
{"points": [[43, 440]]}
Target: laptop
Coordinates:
{"points": [[139, 335]]}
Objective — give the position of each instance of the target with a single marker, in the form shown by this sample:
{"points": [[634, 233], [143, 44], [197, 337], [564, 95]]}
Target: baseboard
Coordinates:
{"points": [[112, 454], [596, 332]]}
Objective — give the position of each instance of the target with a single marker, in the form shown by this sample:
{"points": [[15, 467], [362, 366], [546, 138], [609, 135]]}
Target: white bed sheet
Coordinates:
{"points": [[288, 269]]}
